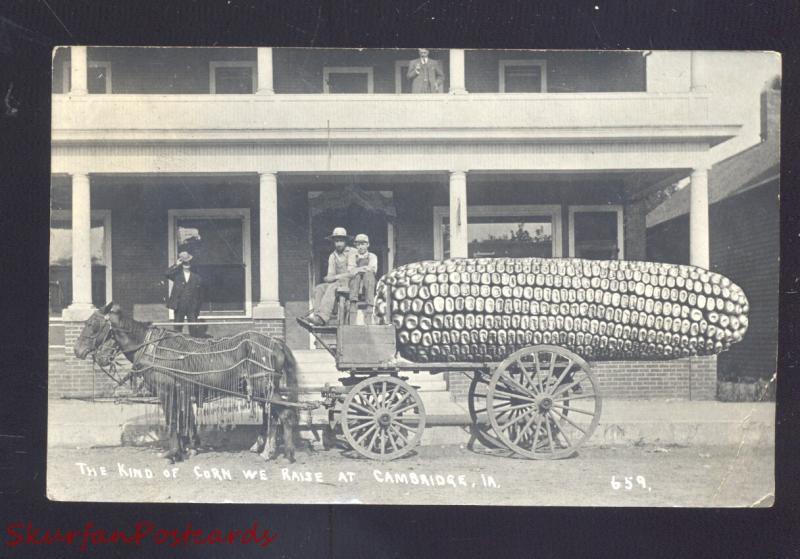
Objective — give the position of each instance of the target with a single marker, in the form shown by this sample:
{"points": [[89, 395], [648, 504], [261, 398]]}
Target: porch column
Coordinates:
{"points": [[264, 72], [269, 305], [457, 83], [698, 219], [81, 306], [458, 214], [79, 70]]}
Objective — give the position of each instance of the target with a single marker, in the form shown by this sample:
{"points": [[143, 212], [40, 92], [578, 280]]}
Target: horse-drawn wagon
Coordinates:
{"points": [[524, 330]]}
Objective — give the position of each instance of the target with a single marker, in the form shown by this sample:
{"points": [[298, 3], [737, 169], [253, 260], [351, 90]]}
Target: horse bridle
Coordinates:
{"points": [[106, 332]]}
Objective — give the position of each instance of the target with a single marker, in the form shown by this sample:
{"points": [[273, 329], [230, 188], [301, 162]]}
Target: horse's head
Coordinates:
{"points": [[96, 331]]}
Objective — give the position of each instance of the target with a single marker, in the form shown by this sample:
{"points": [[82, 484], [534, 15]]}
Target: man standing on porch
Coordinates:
{"points": [[337, 277], [186, 295]]}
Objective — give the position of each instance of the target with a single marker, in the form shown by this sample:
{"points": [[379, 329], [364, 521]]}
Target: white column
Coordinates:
{"points": [[457, 83], [81, 306], [269, 305], [698, 219], [79, 71], [458, 214], [264, 72]]}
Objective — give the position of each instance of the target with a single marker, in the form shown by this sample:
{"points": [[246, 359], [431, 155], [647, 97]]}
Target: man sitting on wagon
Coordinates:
{"points": [[363, 265], [337, 277]]}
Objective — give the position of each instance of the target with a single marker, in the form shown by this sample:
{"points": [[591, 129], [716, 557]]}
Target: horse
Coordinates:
{"points": [[179, 369]]}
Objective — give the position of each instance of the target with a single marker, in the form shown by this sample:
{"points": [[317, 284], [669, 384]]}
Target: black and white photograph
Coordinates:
{"points": [[417, 276]]}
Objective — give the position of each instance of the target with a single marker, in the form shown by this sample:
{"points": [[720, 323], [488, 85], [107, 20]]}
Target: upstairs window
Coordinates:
{"points": [[401, 83], [98, 77], [351, 79], [230, 77], [523, 76]]}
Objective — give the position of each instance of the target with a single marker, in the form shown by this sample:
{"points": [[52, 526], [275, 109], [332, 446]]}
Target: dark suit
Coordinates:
{"points": [[430, 78], [186, 297]]}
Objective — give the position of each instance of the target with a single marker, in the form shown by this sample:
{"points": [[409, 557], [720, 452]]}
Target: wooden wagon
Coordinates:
{"points": [[541, 402]]}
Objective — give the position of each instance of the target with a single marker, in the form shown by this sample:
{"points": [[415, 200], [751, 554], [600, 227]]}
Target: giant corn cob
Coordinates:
{"points": [[484, 309]]}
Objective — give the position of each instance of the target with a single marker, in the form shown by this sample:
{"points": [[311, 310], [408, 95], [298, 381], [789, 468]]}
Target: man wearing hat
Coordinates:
{"points": [[337, 276], [186, 295], [362, 265]]}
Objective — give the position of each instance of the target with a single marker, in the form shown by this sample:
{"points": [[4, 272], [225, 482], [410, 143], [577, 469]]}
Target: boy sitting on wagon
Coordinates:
{"points": [[363, 266]]}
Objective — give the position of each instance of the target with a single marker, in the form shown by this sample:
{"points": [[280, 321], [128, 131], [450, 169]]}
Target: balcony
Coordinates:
{"points": [[492, 117]]}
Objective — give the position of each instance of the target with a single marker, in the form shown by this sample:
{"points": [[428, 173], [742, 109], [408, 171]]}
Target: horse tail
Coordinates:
{"points": [[290, 372]]}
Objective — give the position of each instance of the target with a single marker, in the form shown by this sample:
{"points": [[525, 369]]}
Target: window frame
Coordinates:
{"points": [[212, 73], [216, 213], [399, 75], [66, 77], [552, 211], [620, 211], [105, 215], [328, 70], [542, 64]]}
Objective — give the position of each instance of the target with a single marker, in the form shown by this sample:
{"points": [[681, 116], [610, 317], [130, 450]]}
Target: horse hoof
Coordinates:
{"points": [[255, 448]]}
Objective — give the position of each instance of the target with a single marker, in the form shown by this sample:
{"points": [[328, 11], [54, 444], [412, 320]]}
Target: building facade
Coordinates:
{"points": [[249, 157], [745, 240]]}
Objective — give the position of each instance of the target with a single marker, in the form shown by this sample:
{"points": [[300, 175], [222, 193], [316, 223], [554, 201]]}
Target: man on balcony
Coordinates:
{"points": [[426, 74], [337, 277]]}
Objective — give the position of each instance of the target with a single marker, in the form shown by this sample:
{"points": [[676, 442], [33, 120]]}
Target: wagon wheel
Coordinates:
{"points": [[543, 402], [382, 418], [476, 402]]}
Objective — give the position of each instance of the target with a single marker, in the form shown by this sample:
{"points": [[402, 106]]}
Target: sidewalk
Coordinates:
{"points": [[81, 424]]}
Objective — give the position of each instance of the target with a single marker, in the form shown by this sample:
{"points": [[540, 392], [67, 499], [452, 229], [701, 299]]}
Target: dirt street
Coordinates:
{"points": [[696, 476]]}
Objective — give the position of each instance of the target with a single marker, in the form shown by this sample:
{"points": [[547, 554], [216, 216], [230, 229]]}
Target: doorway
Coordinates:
{"points": [[358, 211]]}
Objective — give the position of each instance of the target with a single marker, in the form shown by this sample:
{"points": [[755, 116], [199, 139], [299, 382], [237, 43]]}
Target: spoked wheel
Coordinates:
{"points": [[476, 402], [543, 402], [382, 418]]}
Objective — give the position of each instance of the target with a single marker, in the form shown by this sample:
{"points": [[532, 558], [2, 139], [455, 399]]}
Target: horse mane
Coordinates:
{"points": [[134, 327]]}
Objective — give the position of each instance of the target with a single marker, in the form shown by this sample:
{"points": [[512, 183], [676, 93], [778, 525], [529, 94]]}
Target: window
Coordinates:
{"points": [[340, 79], [401, 83], [517, 76], [232, 77], [98, 77], [596, 232], [60, 288], [219, 242], [503, 231]]}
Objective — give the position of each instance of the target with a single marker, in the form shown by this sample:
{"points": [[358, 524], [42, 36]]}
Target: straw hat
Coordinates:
{"points": [[338, 233], [184, 257]]}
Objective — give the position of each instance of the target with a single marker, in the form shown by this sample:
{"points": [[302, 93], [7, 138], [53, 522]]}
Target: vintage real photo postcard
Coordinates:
{"points": [[413, 276]]}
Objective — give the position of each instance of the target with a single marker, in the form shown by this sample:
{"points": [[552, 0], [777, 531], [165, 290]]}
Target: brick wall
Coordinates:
{"points": [[745, 247], [75, 377], [692, 379]]}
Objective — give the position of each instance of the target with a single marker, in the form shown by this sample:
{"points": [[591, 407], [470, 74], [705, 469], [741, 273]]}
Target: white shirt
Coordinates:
{"points": [[186, 275]]}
